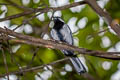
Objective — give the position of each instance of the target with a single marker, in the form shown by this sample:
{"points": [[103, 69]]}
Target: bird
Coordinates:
{"points": [[62, 32]]}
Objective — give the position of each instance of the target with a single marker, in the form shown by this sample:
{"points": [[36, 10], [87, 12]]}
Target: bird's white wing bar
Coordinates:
{"points": [[54, 34], [66, 32]]}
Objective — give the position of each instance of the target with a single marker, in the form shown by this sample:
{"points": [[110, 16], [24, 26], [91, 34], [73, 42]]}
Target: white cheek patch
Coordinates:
{"points": [[51, 24], [57, 17]]}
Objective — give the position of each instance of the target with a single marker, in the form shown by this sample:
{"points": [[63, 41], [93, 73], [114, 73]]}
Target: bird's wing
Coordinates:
{"points": [[54, 35], [67, 34]]}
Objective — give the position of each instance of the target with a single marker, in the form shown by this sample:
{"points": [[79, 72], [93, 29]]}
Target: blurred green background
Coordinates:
{"points": [[85, 25]]}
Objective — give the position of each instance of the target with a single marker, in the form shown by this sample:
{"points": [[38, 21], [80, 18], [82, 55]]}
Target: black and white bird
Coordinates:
{"points": [[62, 32]]}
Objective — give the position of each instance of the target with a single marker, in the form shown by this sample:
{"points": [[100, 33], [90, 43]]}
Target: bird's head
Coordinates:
{"points": [[57, 19]]}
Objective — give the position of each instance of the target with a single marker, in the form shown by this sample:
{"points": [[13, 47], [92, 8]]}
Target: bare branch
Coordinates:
{"points": [[18, 6], [26, 21], [34, 68], [34, 54], [95, 34], [5, 62], [108, 19], [58, 45], [42, 10], [4, 4]]}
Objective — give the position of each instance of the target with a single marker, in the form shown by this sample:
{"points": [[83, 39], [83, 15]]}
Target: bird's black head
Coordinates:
{"points": [[58, 22]]}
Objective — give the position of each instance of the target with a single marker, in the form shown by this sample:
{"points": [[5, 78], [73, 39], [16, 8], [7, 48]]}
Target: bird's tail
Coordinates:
{"points": [[79, 67]]}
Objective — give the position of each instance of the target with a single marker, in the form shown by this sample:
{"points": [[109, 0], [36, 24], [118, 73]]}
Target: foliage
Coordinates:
{"points": [[88, 37]]}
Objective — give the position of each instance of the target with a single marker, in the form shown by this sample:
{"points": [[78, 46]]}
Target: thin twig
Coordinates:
{"points": [[93, 35], [44, 3], [34, 54], [26, 21], [54, 72], [11, 53], [103, 13], [4, 4], [93, 67], [5, 62], [35, 68], [18, 6], [47, 26], [10, 50], [42, 10]]}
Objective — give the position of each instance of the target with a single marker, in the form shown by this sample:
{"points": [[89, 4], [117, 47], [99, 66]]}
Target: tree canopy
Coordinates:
{"points": [[28, 52]]}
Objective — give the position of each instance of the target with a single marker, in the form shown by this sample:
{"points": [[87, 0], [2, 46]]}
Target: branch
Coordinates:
{"points": [[5, 63], [33, 68], [95, 34], [58, 45], [4, 4], [18, 6], [108, 19], [42, 10]]}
